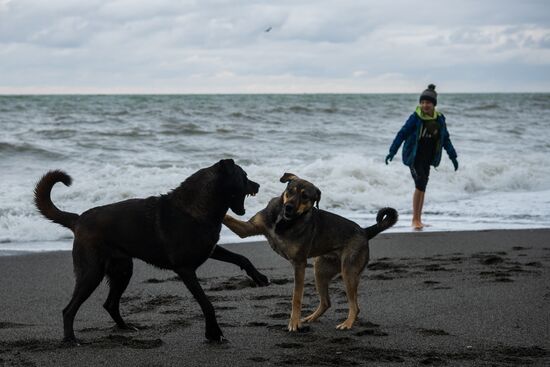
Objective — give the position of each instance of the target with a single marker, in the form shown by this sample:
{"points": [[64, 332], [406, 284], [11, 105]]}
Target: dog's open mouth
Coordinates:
{"points": [[238, 202], [252, 188]]}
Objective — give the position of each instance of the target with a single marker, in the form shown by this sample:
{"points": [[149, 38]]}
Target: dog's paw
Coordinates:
{"points": [[220, 340], [126, 328], [311, 318], [346, 325], [300, 329], [70, 342], [294, 325], [260, 279], [215, 335]]}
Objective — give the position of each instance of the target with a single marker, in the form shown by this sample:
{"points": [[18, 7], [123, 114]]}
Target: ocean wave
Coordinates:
{"points": [[116, 113], [179, 127], [60, 133], [297, 109], [485, 107], [129, 133], [337, 142], [300, 109], [13, 149]]}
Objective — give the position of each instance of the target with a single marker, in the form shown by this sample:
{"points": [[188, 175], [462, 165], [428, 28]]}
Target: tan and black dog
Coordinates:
{"points": [[176, 231], [297, 230]]}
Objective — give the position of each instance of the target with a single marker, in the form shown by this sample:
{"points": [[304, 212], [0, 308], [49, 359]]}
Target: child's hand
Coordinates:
{"points": [[455, 163]]}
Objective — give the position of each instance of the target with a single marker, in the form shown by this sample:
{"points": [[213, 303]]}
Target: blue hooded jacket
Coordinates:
{"points": [[410, 133]]}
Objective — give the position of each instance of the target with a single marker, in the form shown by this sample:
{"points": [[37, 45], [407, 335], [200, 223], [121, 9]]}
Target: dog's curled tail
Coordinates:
{"points": [[43, 201], [385, 218]]}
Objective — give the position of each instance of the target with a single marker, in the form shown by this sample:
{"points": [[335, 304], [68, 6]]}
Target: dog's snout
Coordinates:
{"points": [[289, 208], [252, 187]]}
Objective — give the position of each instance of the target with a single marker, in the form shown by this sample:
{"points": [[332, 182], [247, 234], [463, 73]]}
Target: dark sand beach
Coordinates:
{"points": [[436, 298]]}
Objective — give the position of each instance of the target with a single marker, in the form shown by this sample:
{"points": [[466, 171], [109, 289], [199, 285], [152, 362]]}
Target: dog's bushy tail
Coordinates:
{"points": [[385, 218], [43, 201]]}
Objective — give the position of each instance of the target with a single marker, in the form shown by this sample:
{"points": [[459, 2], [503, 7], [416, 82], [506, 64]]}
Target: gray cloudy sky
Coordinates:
{"points": [[170, 46]]}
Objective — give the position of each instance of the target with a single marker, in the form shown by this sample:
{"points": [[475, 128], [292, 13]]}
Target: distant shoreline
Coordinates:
{"points": [[252, 94]]}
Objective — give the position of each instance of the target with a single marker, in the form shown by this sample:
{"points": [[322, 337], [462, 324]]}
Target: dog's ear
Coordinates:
{"points": [[288, 177], [227, 165], [229, 162], [317, 197]]}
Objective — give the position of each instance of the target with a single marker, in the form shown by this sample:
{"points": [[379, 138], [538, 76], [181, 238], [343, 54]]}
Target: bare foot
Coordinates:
{"points": [[417, 225]]}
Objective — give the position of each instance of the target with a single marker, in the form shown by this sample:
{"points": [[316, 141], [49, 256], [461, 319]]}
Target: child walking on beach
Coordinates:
{"points": [[424, 133]]}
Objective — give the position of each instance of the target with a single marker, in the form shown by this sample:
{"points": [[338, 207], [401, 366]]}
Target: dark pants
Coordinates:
{"points": [[420, 172]]}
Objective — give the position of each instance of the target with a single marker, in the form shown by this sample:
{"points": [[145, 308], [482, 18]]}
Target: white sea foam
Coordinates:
{"points": [[483, 194]]}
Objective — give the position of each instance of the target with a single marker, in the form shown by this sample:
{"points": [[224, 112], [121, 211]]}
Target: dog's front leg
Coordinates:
{"points": [[213, 331], [299, 275], [222, 254], [244, 229]]}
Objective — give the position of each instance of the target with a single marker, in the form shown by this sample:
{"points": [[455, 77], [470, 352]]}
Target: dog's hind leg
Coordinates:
{"points": [[89, 273], [352, 266], [325, 268], [118, 271], [189, 277], [224, 255]]}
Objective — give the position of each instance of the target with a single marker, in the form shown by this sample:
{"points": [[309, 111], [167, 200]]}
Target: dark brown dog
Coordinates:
{"points": [[297, 230], [176, 231]]}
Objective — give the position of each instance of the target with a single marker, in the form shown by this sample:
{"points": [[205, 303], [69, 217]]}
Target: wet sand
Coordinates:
{"points": [[450, 298]]}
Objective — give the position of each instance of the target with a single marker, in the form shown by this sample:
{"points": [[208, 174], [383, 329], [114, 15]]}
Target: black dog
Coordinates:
{"points": [[176, 231]]}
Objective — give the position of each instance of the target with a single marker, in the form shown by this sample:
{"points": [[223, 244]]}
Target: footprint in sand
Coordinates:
{"points": [[290, 345], [258, 359], [279, 315], [30, 345], [11, 325], [155, 302], [225, 308], [491, 260], [264, 297], [257, 324], [111, 341], [433, 332], [342, 341], [281, 281], [233, 284], [372, 329], [371, 332], [381, 277], [435, 267]]}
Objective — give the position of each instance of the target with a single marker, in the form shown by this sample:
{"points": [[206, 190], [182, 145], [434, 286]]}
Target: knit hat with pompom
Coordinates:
{"points": [[429, 95]]}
